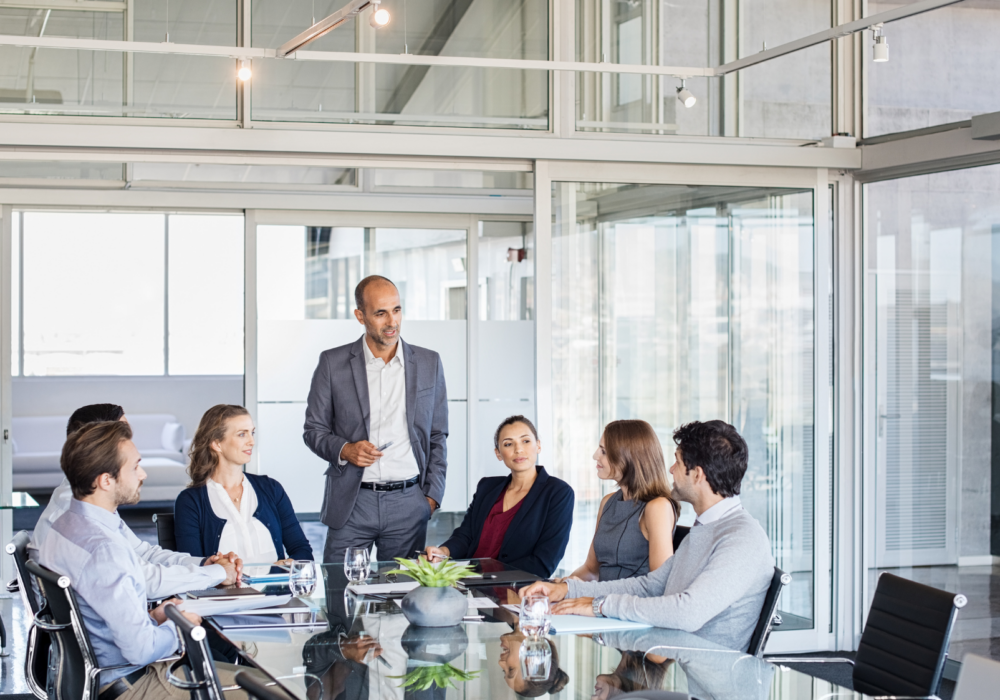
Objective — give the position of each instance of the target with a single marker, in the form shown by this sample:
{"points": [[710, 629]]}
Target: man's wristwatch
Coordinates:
{"points": [[598, 602]]}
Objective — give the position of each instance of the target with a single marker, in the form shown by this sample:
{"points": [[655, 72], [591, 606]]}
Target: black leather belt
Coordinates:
{"points": [[122, 685], [388, 485]]}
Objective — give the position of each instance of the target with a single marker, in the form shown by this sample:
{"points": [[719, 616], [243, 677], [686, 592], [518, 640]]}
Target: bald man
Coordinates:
{"points": [[378, 414]]}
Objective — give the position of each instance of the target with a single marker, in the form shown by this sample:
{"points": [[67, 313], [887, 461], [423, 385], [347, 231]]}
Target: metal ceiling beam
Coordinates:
{"points": [[837, 32], [926, 153], [323, 27]]}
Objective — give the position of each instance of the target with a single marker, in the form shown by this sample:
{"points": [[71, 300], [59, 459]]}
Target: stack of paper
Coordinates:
{"points": [[262, 606]]}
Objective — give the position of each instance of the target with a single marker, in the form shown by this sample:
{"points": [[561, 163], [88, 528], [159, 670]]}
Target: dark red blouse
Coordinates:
{"points": [[495, 528]]}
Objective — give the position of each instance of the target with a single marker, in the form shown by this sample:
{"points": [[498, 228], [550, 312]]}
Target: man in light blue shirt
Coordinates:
{"points": [[87, 543], [167, 573]]}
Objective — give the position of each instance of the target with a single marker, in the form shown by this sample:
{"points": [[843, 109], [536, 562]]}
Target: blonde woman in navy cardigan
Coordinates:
{"points": [[224, 507], [522, 520]]}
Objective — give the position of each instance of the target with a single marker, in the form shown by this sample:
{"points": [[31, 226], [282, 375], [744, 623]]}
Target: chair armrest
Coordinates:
{"points": [[47, 626], [808, 660], [180, 682]]}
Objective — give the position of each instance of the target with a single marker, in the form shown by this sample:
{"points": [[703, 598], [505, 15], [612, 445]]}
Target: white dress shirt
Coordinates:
{"points": [[387, 417], [720, 510], [167, 573], [242, 533]]}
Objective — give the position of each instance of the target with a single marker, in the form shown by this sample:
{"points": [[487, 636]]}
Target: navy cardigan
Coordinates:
{"points": [[198, 529], [536, 539]]}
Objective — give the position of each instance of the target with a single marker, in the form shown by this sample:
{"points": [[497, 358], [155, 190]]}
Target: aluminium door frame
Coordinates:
{"points": [[820, 637]]}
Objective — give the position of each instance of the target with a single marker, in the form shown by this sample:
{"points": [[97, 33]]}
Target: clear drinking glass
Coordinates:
{"points": [[302, 578], [535, 656], [536, 615], [356, 564]]}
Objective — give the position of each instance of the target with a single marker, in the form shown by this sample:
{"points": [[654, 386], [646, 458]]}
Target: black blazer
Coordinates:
{"points": [[536, 539]]}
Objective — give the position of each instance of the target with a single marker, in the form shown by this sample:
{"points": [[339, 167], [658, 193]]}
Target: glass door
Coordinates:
{"points": [[673, 303], [307, 270]]}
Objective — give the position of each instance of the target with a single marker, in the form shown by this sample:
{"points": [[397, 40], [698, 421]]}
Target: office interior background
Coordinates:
{"points": [[576, 243]]}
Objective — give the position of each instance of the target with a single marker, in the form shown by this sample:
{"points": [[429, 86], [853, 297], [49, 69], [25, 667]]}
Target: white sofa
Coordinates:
{"points": [[38, 442]]}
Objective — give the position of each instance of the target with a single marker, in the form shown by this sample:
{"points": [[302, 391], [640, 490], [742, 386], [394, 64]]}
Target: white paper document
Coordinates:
{"points": [[400, 587], [207, 607], [578, 624]]}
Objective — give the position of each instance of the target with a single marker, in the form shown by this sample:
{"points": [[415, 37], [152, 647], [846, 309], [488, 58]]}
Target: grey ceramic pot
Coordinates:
{"points": [[436, 645], [434, 607]]}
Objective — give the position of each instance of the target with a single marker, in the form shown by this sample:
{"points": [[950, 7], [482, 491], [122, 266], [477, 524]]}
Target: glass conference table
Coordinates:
{"points": [[349, 647]]}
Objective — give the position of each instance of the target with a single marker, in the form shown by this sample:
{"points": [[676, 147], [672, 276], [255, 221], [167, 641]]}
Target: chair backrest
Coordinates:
{"points": [[203, 681], [655, 695], [259, 690], [36, 661], [768, 613], [680, 532], [74, 661], [979, 678], [905, 641], [165, 530]]}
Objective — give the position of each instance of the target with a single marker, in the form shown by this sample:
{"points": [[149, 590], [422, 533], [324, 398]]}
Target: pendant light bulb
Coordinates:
{"points": [[244, 72], [685, 96], [379, 17]]}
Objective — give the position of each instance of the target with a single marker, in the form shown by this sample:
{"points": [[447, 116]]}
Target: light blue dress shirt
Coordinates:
{"points": [[167, 573], [87, 544]]}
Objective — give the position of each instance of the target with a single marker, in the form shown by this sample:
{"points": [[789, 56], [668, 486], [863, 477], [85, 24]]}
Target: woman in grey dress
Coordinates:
{"points": [[635, 524]]}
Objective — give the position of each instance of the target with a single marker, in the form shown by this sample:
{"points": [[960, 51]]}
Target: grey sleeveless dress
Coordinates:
{"points": [[621, 549]]}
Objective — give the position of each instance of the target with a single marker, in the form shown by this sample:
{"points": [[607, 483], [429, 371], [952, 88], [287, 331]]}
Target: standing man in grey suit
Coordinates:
{"points": [[378, 413]]}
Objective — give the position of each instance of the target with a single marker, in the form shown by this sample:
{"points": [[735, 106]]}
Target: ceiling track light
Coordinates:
{"points": [[379, 17], [880, 49], [244, 71], [685, 96]]}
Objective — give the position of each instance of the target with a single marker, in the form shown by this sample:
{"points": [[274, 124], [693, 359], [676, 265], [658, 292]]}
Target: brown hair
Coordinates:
{"points": [[636, 457], [212, 428], [635, 672], [91, 451]]}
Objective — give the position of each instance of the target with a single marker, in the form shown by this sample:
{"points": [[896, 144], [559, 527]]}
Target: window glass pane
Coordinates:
{"points": [[785, 98], [205, 294], [941, 68], [676, 303], [15, 302], [68, 170], [244, 176], [61, 81], [934, 247], [93, 293], [189, 87], [401, 94]]}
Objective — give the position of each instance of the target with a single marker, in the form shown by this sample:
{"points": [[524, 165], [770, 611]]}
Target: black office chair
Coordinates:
{"points": [[76, 673], [202, 682], [768, 613], [258, 690], [165, 530], [655, 695], [37, 658], [680, 532], [905, 642]]}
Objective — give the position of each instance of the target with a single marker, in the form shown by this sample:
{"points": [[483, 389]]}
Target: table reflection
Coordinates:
{"points": [[366, 650]]}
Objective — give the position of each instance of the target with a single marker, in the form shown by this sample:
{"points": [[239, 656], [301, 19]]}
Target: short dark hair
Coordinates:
{"points": [[718, 449], [511, 420], [91, 451], [359, 291], [94, 413]]}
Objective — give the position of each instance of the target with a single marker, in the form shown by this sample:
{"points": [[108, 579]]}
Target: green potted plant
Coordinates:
{"points": [[440, 675], [436, 603]]}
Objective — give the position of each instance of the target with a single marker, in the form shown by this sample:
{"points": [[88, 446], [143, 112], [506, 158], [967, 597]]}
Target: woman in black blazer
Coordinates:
{"points": [[523, 520]]}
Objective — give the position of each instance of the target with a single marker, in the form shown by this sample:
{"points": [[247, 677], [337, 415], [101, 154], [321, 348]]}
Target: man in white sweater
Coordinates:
{"points": [[714, 584]]}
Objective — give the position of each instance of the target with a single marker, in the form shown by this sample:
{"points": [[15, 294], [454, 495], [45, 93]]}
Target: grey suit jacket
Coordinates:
{"points": [[338, 413]]}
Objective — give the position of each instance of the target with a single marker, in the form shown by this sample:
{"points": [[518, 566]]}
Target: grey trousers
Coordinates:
{"points": [[394, 521]]}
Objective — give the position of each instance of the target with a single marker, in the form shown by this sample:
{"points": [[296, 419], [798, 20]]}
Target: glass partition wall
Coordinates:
{"points": [[674, 303], [307, 269]]}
